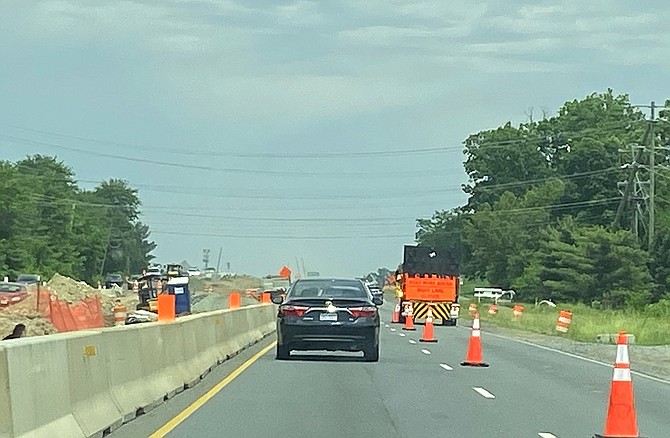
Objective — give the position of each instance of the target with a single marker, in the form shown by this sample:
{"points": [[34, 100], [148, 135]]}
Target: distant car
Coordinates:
{"points": [[209, 272], [328, 314], [193, 272], [112, 280], [28, 279], [376, 291], [154, 270], [12, 293]]}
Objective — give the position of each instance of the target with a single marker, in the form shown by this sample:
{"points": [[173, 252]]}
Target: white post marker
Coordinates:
{"points": [[484, 393]]}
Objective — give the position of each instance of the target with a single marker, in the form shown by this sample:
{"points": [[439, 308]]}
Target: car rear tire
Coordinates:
{"points": [[283, 352], [371, 354]]}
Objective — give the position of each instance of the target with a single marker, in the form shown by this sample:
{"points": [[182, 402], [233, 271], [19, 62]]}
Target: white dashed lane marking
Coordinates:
{"points": [[484, 393], [546, 435], [402, 335], [446, 367], [412, 341], [424, 351]]}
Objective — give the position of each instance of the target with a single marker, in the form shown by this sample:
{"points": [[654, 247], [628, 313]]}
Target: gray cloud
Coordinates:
{"points": [[315, 76]]}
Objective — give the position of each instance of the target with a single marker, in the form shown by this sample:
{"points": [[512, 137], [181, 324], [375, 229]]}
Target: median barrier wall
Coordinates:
{"points": [[81, 384]]}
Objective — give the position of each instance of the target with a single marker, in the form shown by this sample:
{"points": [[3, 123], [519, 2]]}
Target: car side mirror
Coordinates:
{"points": [[378, 301], [277, 298]]}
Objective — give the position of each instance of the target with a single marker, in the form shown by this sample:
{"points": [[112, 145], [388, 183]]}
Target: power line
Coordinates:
{"points": [[201, 190], [280, 237], [197, 152], [405, 174]]}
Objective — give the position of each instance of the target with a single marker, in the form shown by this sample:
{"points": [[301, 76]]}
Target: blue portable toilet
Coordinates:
{"points": [[178, 286]]}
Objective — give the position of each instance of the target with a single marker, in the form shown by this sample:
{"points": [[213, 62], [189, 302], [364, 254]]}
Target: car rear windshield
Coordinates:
{"points": [[329, 289], [11, 287]]}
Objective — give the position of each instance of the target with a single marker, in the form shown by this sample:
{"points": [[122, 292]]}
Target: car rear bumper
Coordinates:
{"points": [[327, 337]]}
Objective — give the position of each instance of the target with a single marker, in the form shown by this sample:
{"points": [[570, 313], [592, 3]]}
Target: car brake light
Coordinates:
{"points": [[297, 311], [365, 312]]}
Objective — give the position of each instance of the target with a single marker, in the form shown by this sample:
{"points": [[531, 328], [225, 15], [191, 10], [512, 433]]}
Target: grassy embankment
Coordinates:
{"points": [[649, 328]]}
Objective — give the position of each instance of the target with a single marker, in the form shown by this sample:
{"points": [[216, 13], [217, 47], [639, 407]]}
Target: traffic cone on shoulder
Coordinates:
{"points": [[474, 356], [621, 419], [428, 329], [409, 322], [395, 318]]}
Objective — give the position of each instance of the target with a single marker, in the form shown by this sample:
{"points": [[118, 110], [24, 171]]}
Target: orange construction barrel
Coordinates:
{"points": [[234, 300], [266, 298], [166, 307]]}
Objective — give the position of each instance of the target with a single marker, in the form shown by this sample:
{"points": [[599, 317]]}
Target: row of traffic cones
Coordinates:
{"points": [[621, 420]]}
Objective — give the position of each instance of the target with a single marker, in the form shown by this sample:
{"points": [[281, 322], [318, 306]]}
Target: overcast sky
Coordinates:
{"points": [[274, 109]]}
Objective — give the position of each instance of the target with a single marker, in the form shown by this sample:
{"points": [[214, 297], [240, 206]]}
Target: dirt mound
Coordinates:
{"points": [[24, 312], [70, 290]]}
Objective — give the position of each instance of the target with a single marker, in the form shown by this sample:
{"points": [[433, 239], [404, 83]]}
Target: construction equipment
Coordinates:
{"points": [[151, 285], [428, 281]]}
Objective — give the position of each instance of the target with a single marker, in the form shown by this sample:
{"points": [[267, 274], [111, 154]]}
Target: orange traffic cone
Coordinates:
{"points": [[428, 329], [621, 416], [396, 313], [409, 322], [474, 356]]}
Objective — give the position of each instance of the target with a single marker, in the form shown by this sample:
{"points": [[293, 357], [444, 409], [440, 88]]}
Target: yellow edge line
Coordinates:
{"points": [[176, 421]]}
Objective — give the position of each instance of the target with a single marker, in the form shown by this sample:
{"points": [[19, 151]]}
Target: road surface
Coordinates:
{"points": [[415, 390]]}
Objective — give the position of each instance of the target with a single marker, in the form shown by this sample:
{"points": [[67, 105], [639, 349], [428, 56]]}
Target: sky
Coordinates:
{"points": [[285, 131]]}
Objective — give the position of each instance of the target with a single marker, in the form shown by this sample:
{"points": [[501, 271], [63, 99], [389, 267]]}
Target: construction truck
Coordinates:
{"points": [[428, 280]]}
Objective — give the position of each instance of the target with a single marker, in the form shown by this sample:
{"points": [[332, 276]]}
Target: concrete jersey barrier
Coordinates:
{"points": [[83, 384]]}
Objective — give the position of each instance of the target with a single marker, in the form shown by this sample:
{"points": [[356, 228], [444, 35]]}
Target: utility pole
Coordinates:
{"points": [[205, 257], [635, 188], [652, 176], [218, 262]]}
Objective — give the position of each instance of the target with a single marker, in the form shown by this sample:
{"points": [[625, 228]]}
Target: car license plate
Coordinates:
{"points": [[328, 317]]}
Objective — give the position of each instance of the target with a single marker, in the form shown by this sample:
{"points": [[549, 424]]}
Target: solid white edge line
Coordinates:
{"points": [[412, 341], [576, 356], [446, 367], [546, 435], [424, 351], [484, 393]]}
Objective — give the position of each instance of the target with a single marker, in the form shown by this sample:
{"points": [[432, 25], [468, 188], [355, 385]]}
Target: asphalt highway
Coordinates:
{"points": [[415, 390]]}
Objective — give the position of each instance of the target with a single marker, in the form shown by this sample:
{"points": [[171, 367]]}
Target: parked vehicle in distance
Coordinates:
{"points": [[113, 279], [328, 314], [193, 272], [28, 279], [12, 293], [376, 291], [154, 270], [209, 272]]}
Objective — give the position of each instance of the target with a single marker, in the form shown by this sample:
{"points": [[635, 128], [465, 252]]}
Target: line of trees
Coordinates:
{"points": [[48, 224], [543, 196]]}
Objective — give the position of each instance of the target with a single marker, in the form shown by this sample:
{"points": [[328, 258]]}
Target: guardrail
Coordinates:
{"points": [[84, 384]]}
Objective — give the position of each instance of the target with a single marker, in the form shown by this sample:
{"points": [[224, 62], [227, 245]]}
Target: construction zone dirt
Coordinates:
{"points": [[73, 291], [26, 313], [210, 295]]}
